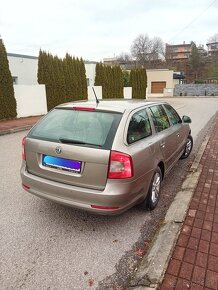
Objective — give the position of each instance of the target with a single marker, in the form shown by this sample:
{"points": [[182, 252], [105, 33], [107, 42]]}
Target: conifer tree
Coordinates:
{"points": [[83, 80], [7, 99], [67, 79], [62, 82], [119, 82], [125, 77], [41, 66], [138, 82], [98, 74], [71, 73], [45, 76]]}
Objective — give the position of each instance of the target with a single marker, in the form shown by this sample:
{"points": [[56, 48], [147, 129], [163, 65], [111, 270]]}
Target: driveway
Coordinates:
{"points": [[47, 246]]}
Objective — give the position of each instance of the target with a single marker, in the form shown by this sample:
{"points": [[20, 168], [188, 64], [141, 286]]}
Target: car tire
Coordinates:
{"points": [[154, 190], [188, 147]]}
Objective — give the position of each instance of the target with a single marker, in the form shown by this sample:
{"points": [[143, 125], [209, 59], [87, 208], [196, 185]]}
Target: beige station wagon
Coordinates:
{"points": [[104, 157]]}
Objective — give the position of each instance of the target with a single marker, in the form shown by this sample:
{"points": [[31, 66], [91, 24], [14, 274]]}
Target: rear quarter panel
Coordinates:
{"points": [[145, 154]]}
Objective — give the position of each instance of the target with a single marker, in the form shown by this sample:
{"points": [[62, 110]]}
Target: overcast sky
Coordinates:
{"points": [[98, 29]]}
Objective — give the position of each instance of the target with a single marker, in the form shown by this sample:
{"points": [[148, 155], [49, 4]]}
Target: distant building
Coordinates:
{"points": [[24, 69], [202, 51], [111, 61], [212, 48], [178, 51]]}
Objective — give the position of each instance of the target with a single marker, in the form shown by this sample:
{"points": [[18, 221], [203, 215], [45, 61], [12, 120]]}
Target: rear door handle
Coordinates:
{"points": [[177, 134], [162, 145]]}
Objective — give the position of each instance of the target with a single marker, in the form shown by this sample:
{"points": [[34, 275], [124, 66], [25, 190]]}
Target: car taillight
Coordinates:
{"points": [[84, 109], [120, 165], [23, 148]]}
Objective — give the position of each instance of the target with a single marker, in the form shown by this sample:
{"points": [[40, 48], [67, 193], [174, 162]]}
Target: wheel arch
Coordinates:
{"points": [[162, 168]]}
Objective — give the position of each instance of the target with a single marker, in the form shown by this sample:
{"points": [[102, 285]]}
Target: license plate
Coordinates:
{"points": [[61, 163]]}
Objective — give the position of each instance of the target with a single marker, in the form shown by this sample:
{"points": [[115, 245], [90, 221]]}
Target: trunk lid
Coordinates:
{"points": [[93, 161], [72, 146]]}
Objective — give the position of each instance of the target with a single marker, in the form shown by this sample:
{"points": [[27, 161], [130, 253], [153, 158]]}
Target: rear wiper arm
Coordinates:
{"points": [[71, 141]]}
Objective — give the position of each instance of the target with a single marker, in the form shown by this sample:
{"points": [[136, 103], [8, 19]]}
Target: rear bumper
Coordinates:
{"points": [[117, 195]]}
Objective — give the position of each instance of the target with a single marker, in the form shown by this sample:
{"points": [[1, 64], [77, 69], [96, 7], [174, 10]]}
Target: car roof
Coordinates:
{"points": [[115, 105]]}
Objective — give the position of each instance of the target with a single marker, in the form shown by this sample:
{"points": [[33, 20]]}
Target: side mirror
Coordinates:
{"points": [[186, 119]]}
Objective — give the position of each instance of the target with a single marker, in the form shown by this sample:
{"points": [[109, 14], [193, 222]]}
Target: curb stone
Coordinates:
{"points": [[15, 130]]}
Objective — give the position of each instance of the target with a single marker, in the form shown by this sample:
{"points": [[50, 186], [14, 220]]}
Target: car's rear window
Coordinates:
{"points": [[82, 128]]}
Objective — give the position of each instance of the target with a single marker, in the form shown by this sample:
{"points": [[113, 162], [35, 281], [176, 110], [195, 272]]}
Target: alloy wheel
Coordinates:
{"points": [[155, 187]]}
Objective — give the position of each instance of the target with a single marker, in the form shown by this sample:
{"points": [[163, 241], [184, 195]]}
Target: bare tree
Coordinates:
{"points": [[158, 47], [213, 38], [124, 57], [146, 50]]}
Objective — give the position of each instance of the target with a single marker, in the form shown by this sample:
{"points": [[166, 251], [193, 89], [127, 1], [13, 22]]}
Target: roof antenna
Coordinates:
{"points": [[97, 101]]}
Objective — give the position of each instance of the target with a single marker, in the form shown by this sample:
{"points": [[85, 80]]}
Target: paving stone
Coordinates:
{"points": [[206, 235], [213, 263], [190, 256], [169, 282], [214, 249], [178, 253], [204, 246], [211, 280], [198, 275], [186, 271], [201, 259], [196, 233], [173, 267]]}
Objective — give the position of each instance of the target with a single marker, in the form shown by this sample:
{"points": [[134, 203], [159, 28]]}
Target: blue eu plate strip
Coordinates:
{"points": [[61, 163]]}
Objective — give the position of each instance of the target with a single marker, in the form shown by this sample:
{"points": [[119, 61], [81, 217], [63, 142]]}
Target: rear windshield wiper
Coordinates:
{"points": [[71, 141]]}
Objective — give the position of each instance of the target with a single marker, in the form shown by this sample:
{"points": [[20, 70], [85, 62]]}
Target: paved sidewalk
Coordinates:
{"points": [[15, 125], [194, 261]]}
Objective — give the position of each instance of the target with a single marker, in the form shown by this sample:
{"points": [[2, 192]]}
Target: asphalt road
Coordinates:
{"points": [[47, 246]]}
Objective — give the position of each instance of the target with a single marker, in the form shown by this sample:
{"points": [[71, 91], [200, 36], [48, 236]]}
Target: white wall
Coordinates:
{"points": [[31, 100], [90, 73], [168, 92], [127, 92], [25, 69], [98, 91]]}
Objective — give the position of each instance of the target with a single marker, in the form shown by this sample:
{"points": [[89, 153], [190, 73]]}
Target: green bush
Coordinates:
{"points": [[199, 82]]}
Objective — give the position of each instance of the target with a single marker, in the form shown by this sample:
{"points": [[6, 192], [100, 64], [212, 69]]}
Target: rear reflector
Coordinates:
{"points": [[83, 109], [104, 207], [120, 165], [25, 186], [23, 148]]}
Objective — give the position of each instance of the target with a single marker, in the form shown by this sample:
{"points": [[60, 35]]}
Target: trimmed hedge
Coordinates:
{"points": [[111, 80], [138, 82], [65, 79]]}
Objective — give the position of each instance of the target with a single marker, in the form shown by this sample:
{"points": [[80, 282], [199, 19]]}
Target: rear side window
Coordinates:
{"points": [[173, 115], [83, 128], [139, 127], [160, 118]]}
